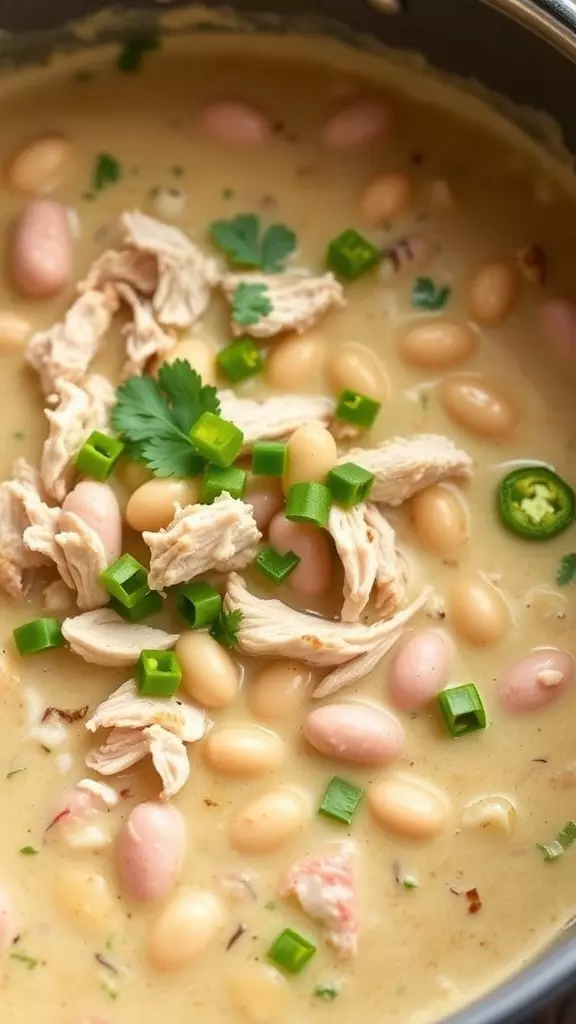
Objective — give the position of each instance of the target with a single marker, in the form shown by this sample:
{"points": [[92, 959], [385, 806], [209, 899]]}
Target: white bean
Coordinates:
{"points": [[492, 293], [151, 506], [420, 668], [357, 367], [437, 344], [236, 122], [7, 919], [198, 354], [83, 896], [266, 498], [386, 197], [259, 991], [477, 407], [270, 821], [96, 504], [278, 690], [408, 806], [42, 250], [358, 124], [246, 751], [535, 680], [39, 166], [151, 847], [439, 518], [558, 318], [311, 454], [313, 576], [495, 811], [354, 732], [14, 331], [209, 673], [296, 361], [478, 613], [185, 928]]}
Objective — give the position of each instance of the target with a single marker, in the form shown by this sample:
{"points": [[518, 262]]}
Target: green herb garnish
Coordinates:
{"points": [[228, 193], [246, 245], [427, 295], [106, 172], [566, 570], [250, 303], [155, 417], [327, 991], [29, 851], [564, 839], [225, 628], [30, 961], [131, 54]]}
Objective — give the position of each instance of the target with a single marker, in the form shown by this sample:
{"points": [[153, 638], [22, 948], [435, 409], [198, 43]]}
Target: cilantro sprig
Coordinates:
{"points": [[247, 245], [250, 302], [155, 417], [225, 628]]}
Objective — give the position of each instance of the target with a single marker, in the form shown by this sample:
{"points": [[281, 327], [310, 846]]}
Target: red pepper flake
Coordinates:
{"points": [[533, 264], [474, 901], [67, 716], [59, 817], [125, 794]]}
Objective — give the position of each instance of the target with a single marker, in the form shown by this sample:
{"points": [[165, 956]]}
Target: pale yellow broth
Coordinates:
{"points": [[421, 953]]}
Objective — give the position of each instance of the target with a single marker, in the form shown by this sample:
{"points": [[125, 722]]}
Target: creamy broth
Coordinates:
{"points": [[79, 951]]}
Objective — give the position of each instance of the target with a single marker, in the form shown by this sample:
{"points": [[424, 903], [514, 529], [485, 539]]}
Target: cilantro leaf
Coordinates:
{"points": [[566, 572], [250, 303], [131, 54], [106, 171], [277, 244], [241, 240], [427, 295], [188, 396], [226, 626]]}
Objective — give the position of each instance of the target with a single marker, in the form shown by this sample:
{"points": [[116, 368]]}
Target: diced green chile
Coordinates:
{"points": [[535, 502]]}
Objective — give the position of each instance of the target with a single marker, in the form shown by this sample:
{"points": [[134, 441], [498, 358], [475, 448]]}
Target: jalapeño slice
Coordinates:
{"points": [[535, 502]]}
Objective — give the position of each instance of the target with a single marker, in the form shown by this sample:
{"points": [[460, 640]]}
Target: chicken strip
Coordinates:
{"points": [[126, 709], [366, 546], [15, 557], [145, 337], [138, 270], [391, 572], [325, 887], [405, 465], [297, 301], [81, 409], [126, 747], [269, 418], [102, 637], [221, 537]]}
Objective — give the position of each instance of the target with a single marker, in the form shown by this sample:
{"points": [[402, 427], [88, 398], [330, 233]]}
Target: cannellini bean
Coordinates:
{"points": [[151, 847], [278, 690], [386, 197], [245, 751], [354, 732], [7, 919], [151, 507], [311, 453], [492, 293], [14, 331], [295, 362], [498, 812], [235, 121], [42, 250], [83, 896], [439, 518], [358, 124], [437, 344], [420, 668], [408, 806], [97, 505], [266, 498], [313, 576], [259, 991], [558, 318], [478, 613], [476, 407], [270, 821], [209, 673], [39, 167], [133, 475], [198, 354], [535, 680], [357, 367], [185, 928]]}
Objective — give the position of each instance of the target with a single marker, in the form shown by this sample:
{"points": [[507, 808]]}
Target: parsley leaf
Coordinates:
{"points": [[29, 851], [327, 990], [106, 171], [566, 572], [427, 295], [155, 418], [30, 961], [225, 628], [250, 303], [245, 246], [131, 54]]}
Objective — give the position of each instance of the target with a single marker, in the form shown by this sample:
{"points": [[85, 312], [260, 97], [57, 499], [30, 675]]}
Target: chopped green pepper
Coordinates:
{"points": [[535, 502]]}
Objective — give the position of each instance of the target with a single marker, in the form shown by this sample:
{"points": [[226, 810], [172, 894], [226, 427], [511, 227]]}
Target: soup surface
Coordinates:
{"points": [[146, 893]]}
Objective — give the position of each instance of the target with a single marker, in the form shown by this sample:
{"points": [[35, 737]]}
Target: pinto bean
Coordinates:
{"points": [[151, 848], [536, 680], [439, 518], [558, 317], [245, 751], [42, 250], [278, 690], [313, 576], [39, 166], [295, 362], [270, 821], [478, 613], [354, 732], [260, 992], [97, 505], [357, 367], [357, 125], [209, 673], [235, 121], [7, 919], [151, 507], [198, 354], [266, 498], [409, 807], [387, 196], [437, 344], [14, 331], [492, 293], [311, 454], [83, 896], [185, 928], [476, 407], [420, 668]]}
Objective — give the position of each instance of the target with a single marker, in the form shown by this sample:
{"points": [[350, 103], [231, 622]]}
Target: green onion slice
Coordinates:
{"points": [[356, 408], [37, 636], [198, 604], [462, 709], [308, 503], [148, 605], [216, 480], [98, 455], [291, 951], [350, 255], [240, 360], [126, 580], [158, 673], [216, 439], [269, 458], [274, 566], [350, 484], [341, 800]]}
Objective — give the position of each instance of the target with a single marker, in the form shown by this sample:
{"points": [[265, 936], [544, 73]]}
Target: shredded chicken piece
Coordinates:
{"points": [[185, 275], [269, 418], [297, 299], [358, 556], [221, 537], [68, 347], [405, 465], [81, 409], [169, 758], [325, 887], [57, 598], [15, 557], [126, 709], [145, 337], [391, 572], [102, 637], [125, 747], [122, 749], [102, 797], [85, 559], [272, 629], [138, 270]]}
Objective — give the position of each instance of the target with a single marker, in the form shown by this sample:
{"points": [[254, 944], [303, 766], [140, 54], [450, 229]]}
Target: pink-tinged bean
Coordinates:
{"points": [[559, 323], [535, 680], [42, 249], [420, 668], [97, 505], [235, 121], [313, 576], [266, 499], [7, 919], [358, 124], [354, 732], [151, 849]]}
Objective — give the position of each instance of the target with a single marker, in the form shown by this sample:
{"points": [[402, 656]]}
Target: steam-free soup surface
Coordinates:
{"points": [[453, 894]]}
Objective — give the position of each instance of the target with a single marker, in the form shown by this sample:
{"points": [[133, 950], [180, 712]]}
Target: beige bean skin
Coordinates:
{"points": [[437, 344], [278, 690], [151, 507], [439, 518], [244, 751], [475, 406], [84, 898], [185, 928], [477, 611], [408, 806], [14, 331], [235, 122], [295, 362], [420, 668], [151, 848], [42, 250], [492, 293], [357, 125], [260, 992], [198, 354], [313, 576], [537, 679], [387, 196], [354, 732], [311, 453], [270, 821], [133, 475], [266, 497], [209, 673], [96, 504], [39, 166], [357, 367]]}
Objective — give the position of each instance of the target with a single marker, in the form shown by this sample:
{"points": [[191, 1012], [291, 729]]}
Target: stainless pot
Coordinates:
{"points": [[524, 50]]}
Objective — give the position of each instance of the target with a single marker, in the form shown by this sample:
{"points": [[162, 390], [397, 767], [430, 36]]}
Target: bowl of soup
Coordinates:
{"points": [[287, 545]]}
